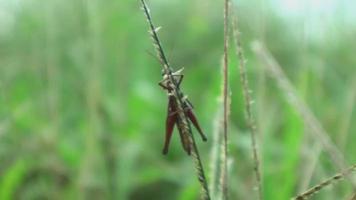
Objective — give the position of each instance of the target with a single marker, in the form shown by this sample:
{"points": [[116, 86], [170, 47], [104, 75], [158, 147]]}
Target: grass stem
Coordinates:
{"points": [[248, 101], [224, 186], [310, 192]]}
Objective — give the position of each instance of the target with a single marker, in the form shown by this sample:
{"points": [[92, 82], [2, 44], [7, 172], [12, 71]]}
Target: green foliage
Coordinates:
{"points": [[12, 179]]}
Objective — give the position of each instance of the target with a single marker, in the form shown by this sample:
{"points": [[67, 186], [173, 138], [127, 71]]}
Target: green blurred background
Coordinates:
{"points": [[82, 116]]}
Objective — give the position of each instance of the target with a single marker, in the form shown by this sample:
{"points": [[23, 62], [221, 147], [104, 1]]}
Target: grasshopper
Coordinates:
{"points": [[180, 110]]}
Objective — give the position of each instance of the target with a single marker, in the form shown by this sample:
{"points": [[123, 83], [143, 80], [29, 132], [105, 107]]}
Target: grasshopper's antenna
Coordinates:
{"points": [[155, 39]]}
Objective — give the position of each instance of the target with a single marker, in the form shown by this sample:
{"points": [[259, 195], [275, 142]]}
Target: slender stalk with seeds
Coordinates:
{"points": [[179, 102], [307, 194], [246, 92]]}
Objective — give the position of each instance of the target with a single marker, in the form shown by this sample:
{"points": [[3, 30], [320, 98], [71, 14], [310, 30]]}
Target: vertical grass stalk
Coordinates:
{"points": [[215, 164], [247, 97], [92, 161], [224, 186]]}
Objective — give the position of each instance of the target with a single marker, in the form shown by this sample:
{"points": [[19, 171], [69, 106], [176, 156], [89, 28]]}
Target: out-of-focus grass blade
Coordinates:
{"points": [[12, 178]]}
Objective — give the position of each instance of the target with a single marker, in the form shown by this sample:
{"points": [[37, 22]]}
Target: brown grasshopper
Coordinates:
{"points": [[180, 110]]}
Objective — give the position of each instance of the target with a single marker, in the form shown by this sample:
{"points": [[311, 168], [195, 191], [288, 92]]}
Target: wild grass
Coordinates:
{"points": [[81, 115], [317, 131], [315, 189], [224, 155], [248, 102]]}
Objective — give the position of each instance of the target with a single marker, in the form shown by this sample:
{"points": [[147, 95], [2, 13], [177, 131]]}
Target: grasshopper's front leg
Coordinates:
{"points": [[180, 78], [179, 75], [165, 82]]}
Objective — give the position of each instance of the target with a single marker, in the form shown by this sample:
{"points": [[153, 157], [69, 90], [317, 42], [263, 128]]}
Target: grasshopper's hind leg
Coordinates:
{"points": [[189, 112], [170, 121]]}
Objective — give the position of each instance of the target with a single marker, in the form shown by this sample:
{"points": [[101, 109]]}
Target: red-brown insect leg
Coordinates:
{"points": [[170, 121], [194, 120]]}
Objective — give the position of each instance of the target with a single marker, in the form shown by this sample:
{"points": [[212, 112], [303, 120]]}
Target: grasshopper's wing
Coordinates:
{"points": [[170, 121]]}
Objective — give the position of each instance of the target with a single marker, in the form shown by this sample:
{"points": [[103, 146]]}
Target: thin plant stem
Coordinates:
{"points": [[246, 93], [310, 192], [52, 71], [199, 167], [224, 185], [216, 152]]}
